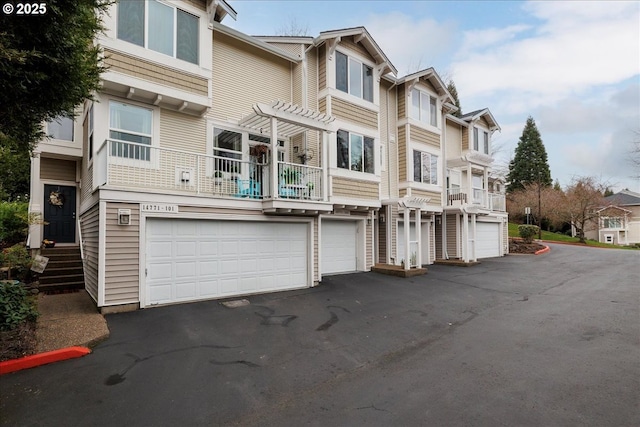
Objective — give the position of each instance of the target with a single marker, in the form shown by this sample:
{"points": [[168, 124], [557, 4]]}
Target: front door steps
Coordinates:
{"points": [[64, 270], [397, 270]]}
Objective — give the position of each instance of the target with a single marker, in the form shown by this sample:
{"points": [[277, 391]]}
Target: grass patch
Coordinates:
{"points": [[557, 237]]}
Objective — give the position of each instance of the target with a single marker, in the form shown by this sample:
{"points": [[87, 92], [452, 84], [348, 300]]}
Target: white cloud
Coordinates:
{"points": [[411, 44], [475, 39]]}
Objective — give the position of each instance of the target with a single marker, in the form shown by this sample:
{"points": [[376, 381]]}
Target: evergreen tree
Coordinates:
{"points": [[529, 165], [556, 185], [451, 87]]}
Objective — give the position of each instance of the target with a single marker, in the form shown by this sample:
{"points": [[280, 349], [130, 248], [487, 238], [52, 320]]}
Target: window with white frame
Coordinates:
{"points": [[608, 238], [355, 152], [424, 107], [227, 149], [611, 222], [480, 140], [354, 77], [160, 27], [425, 167], [130, 129], [60, 128]]}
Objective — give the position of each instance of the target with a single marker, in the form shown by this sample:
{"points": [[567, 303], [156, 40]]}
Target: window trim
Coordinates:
{"points": [[479, 144], [431, 155], [146, 29], [363, 63], [421, 109], [364, 138], [153, 162], [73, 130]]}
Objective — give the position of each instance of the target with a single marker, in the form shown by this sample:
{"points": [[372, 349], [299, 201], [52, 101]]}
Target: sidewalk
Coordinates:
{"points": [[68, 320]]}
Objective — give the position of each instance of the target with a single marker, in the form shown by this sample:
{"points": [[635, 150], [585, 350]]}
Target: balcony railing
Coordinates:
{"points": [[477, 197], [131, 165]]}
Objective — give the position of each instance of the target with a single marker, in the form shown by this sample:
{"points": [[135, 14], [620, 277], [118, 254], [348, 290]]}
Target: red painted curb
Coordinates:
{"points": [[42, 359], [543, 251]]}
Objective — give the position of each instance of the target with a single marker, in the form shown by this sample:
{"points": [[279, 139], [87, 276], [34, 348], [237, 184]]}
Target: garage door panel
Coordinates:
{"points": [[197, 259], [338, 246], [487, 239]]}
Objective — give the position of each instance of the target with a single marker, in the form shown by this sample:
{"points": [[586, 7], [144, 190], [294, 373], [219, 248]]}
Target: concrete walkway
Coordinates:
{"points": [[68, 320]]}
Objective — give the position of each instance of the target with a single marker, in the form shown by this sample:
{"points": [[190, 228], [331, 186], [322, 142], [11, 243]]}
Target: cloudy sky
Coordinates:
{"points": [[573, 66]]}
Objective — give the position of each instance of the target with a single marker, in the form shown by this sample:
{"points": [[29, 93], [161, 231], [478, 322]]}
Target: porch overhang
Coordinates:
{"points": [[295, 207], [477, 159], [292, 119], [421, 203]]}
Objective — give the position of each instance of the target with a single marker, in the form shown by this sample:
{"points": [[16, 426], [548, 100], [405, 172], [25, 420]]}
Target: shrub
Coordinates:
{"points": [[528, 232], [16, 306], [14, 222], [17, 259]]}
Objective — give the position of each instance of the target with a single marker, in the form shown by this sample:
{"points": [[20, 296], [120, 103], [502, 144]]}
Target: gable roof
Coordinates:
{"points": [[624, 198], [432, 77], [362, 36], [493, 124], [253, 41]]}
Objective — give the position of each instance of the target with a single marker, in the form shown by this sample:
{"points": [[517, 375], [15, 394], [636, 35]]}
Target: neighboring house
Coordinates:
{"points": [[618, 222], [214, 164]]}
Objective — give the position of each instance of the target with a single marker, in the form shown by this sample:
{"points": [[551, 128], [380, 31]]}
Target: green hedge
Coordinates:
{"points": [[14, 222], [16, 305]]}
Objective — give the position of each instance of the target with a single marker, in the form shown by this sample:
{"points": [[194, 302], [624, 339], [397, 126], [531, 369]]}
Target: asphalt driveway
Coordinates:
{"points": [[522, 340]]}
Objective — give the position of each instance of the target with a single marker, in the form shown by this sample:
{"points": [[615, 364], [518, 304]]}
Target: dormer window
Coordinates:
{"points": [[481, 140], [159, 27], [424, 107], [354, 77]]}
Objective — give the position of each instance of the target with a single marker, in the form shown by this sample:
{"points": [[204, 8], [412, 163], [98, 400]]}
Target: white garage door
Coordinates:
{"points": [[487, 239], [189, 259], [339, 246]]}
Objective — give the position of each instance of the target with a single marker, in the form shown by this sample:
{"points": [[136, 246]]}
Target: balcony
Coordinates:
{"points": [[132, 166], [462, 197]]}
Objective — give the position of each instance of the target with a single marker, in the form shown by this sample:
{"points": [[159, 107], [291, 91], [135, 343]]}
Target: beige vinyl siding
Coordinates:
{"points": [[57, 170], [483, 122], [296, 83], [349, 44], [402, 153], [435, 197], [454, 140], [244, 75], [422, 135], [402, 102], [200, 4], [322, 67], [122, 256], [384, 142], [344, 187], [147, 70], [292, 48], [183, 132], [322, 105], [465, 138], [428, 85], [312, 79], [354, 113], [89, 227]]}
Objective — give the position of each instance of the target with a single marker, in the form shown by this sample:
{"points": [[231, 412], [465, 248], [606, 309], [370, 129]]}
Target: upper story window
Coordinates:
{"points": [[424, 107], [227, 147], [130, 124], [612, 222], [60, 128], [425, 167], [160, 27], [355, 152], [354, 77], [481, 140]]}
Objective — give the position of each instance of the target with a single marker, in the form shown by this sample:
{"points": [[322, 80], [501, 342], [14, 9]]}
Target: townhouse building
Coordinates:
{"points": [[214, 164]]}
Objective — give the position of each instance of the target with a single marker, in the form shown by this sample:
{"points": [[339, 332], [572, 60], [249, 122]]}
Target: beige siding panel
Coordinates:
{"points": [[343, 187], [422, 135], [384, 140], [354, 113], [465, 138], [452, 237], [402, 153], [89, 226], [483, 122], [402, 102], [428, 84], [312, 79], [322, 105], [244, 75], [122, 275], [392, 154], [296, 83], [57, 170], [454, 140], [349, 44], [147, 70], [183, 132], [435, 197], [322, 67], [292, 48], [200, 4]]}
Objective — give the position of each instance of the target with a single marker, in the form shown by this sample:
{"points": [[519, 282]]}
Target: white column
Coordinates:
{"points": [[35, 202], [443, 228], [407, 225], [469, 184], [486, 188], [275, 179], [419, 237], [465, 237], [475, 236], [324, 139]]}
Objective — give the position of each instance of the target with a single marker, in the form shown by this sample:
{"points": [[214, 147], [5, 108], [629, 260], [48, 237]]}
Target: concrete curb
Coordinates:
{"points": [[543, 251], [42, 359]]}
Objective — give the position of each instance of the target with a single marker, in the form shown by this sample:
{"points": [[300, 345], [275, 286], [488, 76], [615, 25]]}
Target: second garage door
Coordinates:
{"points": [[339, 246], [487, 239], [194, 259]]}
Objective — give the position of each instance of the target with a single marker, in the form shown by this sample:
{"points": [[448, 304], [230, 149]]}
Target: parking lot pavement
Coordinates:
{"points": [[520, 340]]}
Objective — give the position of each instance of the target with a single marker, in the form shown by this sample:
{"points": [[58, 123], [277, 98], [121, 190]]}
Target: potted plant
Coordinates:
{"points": [[291, 176], [217, 177]]}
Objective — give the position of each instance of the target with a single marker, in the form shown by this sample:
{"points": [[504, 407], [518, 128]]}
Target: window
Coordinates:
{"points": [[130, 128], [354, 77], [480, 140], [454, 179], [424, 107], [267, 141], [61, 128], [425, 167], [227, 147], [613, 222], [355, 152], [159, 27], [608, 238]]}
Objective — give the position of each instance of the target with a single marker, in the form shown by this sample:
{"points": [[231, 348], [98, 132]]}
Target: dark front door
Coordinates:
{"points": [[60, 213]]}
